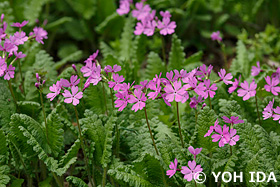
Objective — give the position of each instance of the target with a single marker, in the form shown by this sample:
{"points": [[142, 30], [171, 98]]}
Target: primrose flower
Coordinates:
{"points": [[276, 116], [226, 78], [272, 85], [118, 80], [179, 93], [115, 68], [139, 99], [268, 110], [180, 75], [232, 120], [150, 27], [19, 55], [173, 168], [191, 172], [212, 128], [233, 139], [92, 57], [143, 85], [90, 69], [223, 135], [247, 91], [140, 27], [194, 102], [165, 14], [235, 85], [9, 72], [94, 78], [3, 66], [55, 88], [19, 38], [122, 100], [276, 74], [166, 26], [141, 11], [74, 81], [210, 90], [216, 36], [194, 152], [20, 25], [124, 7], [204, 71], [256, 69], [74, 97], [40, 34]]}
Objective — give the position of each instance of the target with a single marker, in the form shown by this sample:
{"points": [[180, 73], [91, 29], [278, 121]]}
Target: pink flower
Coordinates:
{"points": [[247, 91], [9, 73], [118, 80], [194, 102], [124, 7], [3, 66], [19, 55], [40, 34], [233, 139], [268, 110], [234, 86], [115, 68], [272, 85], [216, 36], [122, 100], [165, 14], [90, 69], [226, 78], [19, 25], [74, 81], [92, 57], [223, 135], [276, 116], [204, 71], [140, 27], [232, 120], [194, 152], [56, 89], [166, 26], [191, 171], [210, 90], [150, 27], [139, 99], [19, 38], [141, 11], [212, 128], [256, 70], [200, 90], [169, 76], [276, 74], [180, 75], [173, 168], [95, 78], [74, 97], [143, 85], [180, 94]]}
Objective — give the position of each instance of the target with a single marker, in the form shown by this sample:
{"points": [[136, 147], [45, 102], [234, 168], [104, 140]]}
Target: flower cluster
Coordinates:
{"points": [[40, 83], [223, 134], [148, 21], [10, 45], [270, 112], [191, 171]]}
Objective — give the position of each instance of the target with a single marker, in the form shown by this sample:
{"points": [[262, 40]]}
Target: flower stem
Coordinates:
{"points": [[196, 114], [210, 105], [195, 184], [154, 144], [258, 110], [230, 149], [112, 98], [163, 51], [83, 147], [44, 113], [13, 95], [179, 125], [104, 177], [20, 72], [105, 102]]}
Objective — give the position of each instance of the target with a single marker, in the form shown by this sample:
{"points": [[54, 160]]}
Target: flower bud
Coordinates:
{"points": [[74, 67], [44, 81], [86, 85], [37, 85], [2, 17], [38, 77]]}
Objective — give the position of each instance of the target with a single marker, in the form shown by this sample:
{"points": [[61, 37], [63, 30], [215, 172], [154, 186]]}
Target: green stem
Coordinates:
{"points": [[230, 149], [13, 95], [104, 94], [57, 180], [83, 147], [196, 117], [112, 98], [148, 124], [104, 177], [195, 184], [210, 105], [44, 113], [258, 110], [20, 72], [118, 140], [163, 52], [179, 125]]}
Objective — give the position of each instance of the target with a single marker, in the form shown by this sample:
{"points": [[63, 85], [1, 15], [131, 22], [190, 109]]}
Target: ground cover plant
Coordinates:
{"points": [[130, 107]]}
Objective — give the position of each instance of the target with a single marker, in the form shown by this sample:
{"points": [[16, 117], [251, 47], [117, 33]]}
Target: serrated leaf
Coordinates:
{"points": [[176, 55], [155, 66]]}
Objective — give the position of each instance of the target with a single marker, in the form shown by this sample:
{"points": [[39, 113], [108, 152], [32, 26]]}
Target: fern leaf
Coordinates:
{"points": [[126, 42], [154, 66], [77, 182], [176, 55], [33, 9]]}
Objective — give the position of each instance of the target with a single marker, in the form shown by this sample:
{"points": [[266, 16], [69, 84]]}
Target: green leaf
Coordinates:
{"points": [[176, 55], [155, 66], [33, 9], [84, 7], [70, 58], [58, 22], [126, 42], [194, 58], [6, 9], [3, 145], [7, 105], [77, 182]]}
